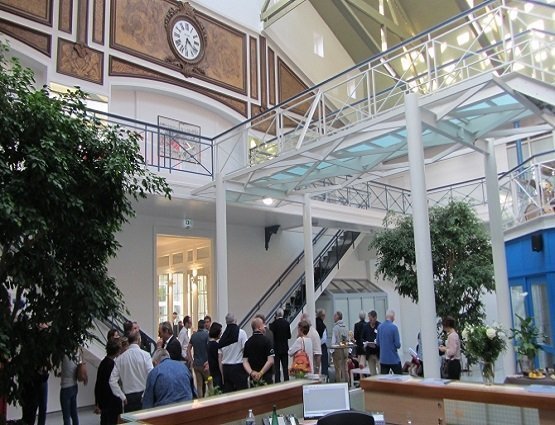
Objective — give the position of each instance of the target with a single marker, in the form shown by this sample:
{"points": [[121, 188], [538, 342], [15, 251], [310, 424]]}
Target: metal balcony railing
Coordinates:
{"points": [[166, 148], [527, 191], [503, 37]]}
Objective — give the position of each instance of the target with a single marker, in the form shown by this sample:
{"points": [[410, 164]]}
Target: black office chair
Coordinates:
{"points": [[346, 417]]}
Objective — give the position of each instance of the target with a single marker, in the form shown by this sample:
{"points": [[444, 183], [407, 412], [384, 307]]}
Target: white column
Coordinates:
{"points": [[309, 260], [422, 242], [221, 251], [498, 252]]}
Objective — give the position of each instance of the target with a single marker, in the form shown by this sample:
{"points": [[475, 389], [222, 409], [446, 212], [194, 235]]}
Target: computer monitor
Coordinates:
{"points": [[321, 399]]}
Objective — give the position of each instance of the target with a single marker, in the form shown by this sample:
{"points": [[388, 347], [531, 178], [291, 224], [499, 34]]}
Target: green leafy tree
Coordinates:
{"points": [[67, 185], [461, 256]]}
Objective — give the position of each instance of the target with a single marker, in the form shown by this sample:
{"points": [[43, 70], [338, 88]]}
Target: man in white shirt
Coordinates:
{"points": [[232, 343], [132, 367], [184, 337]]}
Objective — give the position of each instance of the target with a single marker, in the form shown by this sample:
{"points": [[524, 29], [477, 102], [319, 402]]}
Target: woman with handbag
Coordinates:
{"points": [[73, 370], [302, 351]]}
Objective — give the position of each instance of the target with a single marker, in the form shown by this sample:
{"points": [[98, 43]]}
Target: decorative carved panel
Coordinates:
{"points": [[271, 77], [290, 85], [254, 67], [37, 10], [80, 61], [65, 16], [137, 27], [264, 124], [82, 20], [98, 21], [37, 40], [263, 73], [122, 68], [226, 56]]}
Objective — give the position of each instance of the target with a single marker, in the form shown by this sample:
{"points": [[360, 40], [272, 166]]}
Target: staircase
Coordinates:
{"points": [[95, 350], [326, 265], [293, 300]]}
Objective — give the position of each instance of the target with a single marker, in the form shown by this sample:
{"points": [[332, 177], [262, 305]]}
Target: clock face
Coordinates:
{"points": [[186, 39]]}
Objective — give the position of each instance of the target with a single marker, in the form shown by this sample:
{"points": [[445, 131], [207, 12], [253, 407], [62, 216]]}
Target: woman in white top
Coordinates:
{"points": [[452, 349], [303, 340]]}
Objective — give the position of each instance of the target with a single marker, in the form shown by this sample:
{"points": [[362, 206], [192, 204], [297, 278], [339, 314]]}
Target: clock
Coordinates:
{"points": [[186, 39]]}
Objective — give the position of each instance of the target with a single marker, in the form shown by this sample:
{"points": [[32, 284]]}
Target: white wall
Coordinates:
{"points": [[146, 105], [298, 45], [243, 12], [251, 269]]}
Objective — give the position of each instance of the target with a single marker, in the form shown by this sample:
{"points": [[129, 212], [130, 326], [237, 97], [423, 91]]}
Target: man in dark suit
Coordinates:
{"points": [[357, 333], [282, 333], [169, 341]]}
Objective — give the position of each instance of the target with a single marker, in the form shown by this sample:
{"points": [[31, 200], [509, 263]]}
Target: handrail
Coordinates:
{"points": [[144, 123], [147, 343], [278, 282], [523, 163]]}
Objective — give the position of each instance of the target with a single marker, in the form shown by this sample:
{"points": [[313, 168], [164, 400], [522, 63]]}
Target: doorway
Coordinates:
{"points": [[184, 270]]}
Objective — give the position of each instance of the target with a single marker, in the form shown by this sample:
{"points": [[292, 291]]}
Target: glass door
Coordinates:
{"points": [[542, 319], [163, 285]]}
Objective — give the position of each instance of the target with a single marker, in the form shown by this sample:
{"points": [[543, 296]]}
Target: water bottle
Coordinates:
{"points": [[250, 418], [274, 416]]}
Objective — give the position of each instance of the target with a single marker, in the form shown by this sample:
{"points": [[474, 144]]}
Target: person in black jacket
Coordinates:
{"points": [[282, 333], [359, 340], [169, 341], [106, 402], [322, 331], [369, 340]]}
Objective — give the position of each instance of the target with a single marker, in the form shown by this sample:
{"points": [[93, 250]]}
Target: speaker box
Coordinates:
{"points": [[537, 242]]}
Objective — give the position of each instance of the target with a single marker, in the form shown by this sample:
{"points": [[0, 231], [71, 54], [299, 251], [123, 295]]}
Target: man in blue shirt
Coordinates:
{"points": [[389, 342], [169, 382]]}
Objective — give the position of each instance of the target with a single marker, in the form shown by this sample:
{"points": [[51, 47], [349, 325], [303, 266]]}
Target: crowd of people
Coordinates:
{"points": [[189, 363]]}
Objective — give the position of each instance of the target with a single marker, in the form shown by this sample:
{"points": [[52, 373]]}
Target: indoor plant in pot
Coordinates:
{"points": [[528, 339]]}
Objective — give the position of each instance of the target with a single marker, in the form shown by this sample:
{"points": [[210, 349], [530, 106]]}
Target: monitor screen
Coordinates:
{"points": [[321, 399]]}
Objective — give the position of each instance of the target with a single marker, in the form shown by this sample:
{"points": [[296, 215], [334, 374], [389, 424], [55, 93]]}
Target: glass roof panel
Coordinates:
{"points": [[386, 141], [299, 170], [505, 99]]}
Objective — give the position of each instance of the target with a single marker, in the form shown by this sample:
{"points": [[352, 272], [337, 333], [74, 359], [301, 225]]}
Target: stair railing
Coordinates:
{"points": [[116, 322]]}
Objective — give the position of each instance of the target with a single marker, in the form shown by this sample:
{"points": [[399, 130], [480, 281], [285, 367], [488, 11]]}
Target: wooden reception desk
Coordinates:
{"points": [[423, 401], [225, 408]]}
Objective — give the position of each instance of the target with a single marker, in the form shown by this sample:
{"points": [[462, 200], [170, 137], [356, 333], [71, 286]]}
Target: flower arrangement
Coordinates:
{"points": [[213, 390], [484, 342]]}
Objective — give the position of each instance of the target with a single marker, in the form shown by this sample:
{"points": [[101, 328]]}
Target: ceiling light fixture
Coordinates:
{"points": [[268, 201]]}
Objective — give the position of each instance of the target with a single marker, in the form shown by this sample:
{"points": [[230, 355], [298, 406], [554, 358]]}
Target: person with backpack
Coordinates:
{"points": [[302, 351]]}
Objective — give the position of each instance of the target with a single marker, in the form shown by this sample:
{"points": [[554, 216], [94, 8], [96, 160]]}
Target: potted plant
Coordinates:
{"points": [[528, 339]]}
